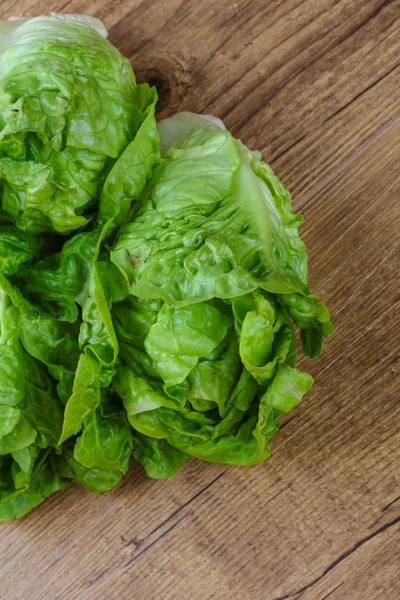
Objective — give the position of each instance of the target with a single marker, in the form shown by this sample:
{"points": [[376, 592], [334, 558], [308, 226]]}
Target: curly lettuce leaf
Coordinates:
{"points": [[182, 335], [16, 249], [158, 458], [55, 344], [85, 396], [106, 441], [133, 168], [24, 383], [12, 384], [241, 438]]}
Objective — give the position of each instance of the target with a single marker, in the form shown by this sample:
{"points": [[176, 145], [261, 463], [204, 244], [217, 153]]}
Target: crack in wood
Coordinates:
{"points": [[333, 591], [341, 558], [171, 516], [241, 9], [178, 510], [390, 504], [153, 543], [343, 163], [357, 96]]}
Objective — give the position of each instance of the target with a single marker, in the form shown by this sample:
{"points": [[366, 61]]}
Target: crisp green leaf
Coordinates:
{"points": [[16, 248], [97, 481], [44, 483], [12, 385], [158, 458], [105, 443], [85, 396], [287, 388], [182, 335], [9, 417], [20, 437]]}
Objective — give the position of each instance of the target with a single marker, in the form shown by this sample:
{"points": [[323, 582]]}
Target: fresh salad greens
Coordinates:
{"points": [[217, 279], [78, 140], [151, 278]]}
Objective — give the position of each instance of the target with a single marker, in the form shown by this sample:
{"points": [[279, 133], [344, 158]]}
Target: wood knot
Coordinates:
{"points": [[169, 76]]}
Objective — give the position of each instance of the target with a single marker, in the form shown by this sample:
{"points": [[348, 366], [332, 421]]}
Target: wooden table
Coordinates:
{"points": [[315, 85]]}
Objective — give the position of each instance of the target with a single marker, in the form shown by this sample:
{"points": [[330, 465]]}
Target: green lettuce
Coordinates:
{"points": [[152, 278], [68, 109], [78, 141], [31, 419], [217, 276]]}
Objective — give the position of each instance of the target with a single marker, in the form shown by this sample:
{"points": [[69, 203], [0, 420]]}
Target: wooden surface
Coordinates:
{"points": [[315, 85]]}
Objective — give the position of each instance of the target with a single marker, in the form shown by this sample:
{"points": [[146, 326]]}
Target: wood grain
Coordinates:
{"points": [[315, 85]]}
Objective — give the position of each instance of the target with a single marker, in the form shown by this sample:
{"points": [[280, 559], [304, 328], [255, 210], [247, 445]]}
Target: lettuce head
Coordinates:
{"points": [[217, 275]]}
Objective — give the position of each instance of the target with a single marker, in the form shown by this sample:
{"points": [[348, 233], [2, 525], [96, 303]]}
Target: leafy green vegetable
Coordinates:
{"points": [[151, 277], [17, 502], [78, 140], [67, 111], [95, 480], [218, 273]]}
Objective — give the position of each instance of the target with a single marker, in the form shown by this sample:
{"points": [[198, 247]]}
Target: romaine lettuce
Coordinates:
{"points": [[78, 140], [151, 278], [218, 278]]}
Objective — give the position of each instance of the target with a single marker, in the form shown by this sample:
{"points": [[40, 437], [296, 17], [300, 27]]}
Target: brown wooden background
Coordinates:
{"points": [[315, 85]]}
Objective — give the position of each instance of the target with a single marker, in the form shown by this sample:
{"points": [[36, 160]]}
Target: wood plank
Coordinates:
{"points": [[315, 85]]}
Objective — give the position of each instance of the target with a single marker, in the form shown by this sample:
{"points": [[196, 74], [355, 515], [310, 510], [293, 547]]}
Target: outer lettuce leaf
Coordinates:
{"points": [[41, 406], [62, 283], [74, 276], [85, 396], [99, 457], [158, 458], [30, 421], [94, 480], [9, 417], [24, 383], [106, 441], [194, 238], [17, 298], [22, 436], [241, 438], [212, 381], [12, 385], [130, 173], [25, 462], [220, 412], [34, 201], [19, 502], [54, 343]]}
